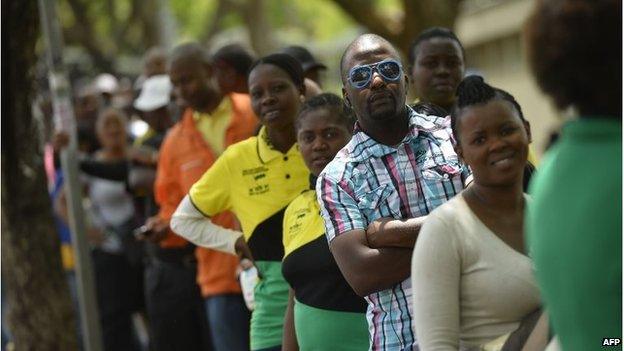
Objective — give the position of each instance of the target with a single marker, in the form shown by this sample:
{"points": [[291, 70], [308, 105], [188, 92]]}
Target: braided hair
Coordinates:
{"points": [[473, 90], [332, 102]]}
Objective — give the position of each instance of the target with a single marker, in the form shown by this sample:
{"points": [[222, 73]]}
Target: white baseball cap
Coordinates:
{"points": [[155, 93], [106, 83]]}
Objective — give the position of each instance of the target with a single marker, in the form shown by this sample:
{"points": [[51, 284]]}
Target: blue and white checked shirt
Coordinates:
{"points": [[368, 180]]}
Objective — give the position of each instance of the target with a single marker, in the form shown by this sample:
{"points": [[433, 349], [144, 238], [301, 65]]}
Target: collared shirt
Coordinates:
{"points": [[256, 182], [367, 181], [212, 126]]}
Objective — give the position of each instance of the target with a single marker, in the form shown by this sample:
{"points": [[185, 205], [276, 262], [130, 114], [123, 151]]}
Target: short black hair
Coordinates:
{"points": [[429, 33], [473, 90], [236, 56], [192, 51], [286, 62], [332, 102], [575, 53]]}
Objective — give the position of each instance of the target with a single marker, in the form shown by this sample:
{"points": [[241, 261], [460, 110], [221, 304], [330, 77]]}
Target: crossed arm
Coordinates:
{"points": [[367, 269], [389, 232], [373, 259]]}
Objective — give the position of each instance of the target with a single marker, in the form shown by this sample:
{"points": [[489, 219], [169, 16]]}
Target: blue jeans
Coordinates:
{"points": [[228, 321]]}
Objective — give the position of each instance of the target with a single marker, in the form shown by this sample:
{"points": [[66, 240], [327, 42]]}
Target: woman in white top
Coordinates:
{"points": [[472, 280], [117, 278]]}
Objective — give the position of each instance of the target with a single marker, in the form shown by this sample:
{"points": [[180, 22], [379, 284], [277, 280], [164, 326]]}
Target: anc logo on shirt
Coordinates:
{"points": [[255, 171], [254, 175], [296, 225]]}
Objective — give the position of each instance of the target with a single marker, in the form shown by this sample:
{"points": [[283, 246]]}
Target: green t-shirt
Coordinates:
{"points": [[574, 233]]}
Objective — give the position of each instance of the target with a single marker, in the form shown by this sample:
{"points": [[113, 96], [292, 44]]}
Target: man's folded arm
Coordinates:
{"points": [[369, 270]]}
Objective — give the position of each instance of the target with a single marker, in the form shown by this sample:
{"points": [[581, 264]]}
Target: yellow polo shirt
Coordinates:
{"points": [[254, 181], [212, 126]]}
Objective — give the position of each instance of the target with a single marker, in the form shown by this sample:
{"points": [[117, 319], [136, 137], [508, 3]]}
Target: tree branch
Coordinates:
{"points": [[260, 31], [363, 13], [223, 7], [130, 21], [85, 36]]}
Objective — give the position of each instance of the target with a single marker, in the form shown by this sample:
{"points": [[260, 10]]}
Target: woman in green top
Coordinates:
{"points": [[255, 179], [574, 224], [323, 311]]}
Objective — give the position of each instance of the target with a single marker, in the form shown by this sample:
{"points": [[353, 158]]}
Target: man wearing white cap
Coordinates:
{"points": [[153, 103]]}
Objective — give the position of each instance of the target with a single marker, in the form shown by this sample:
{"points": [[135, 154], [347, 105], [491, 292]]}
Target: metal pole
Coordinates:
{"points": [[64, 121]]}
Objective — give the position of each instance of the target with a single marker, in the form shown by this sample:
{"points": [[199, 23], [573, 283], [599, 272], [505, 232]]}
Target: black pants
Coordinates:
{"points": [[175, 307], [114, 281]]}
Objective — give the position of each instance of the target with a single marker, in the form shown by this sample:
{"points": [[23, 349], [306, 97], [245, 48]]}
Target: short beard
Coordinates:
{"points": [[386, 115]]}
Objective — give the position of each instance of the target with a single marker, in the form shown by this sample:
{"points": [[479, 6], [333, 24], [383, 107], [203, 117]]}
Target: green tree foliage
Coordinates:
{"points": [[107, 29]]}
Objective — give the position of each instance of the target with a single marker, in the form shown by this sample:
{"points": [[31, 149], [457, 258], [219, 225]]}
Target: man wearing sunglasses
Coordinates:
{"points": [[376, 193]]}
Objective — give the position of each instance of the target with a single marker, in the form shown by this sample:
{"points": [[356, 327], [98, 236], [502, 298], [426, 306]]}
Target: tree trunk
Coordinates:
{"points": [[258, 27], [40, 313]]}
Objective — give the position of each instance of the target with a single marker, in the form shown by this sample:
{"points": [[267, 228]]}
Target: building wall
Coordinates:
{"points": [[492, 36]]}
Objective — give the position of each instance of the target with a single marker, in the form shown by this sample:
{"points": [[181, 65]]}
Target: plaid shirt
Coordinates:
{"points": [[368, 180]]}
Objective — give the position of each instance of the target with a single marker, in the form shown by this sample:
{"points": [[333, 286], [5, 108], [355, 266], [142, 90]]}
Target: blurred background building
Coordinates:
{"points": [[491, 32]]}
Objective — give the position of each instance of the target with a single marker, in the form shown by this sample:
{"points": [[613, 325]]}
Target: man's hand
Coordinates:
{"points": [[375, 230], [389, 232], [369, 270], [156, 229]]}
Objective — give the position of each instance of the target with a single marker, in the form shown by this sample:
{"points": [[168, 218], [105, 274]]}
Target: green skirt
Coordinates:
{"points": [[271, 299], [321, 330]]}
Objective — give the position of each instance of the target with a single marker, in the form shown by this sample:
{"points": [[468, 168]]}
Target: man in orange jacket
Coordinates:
{"points": [[210, 123]]}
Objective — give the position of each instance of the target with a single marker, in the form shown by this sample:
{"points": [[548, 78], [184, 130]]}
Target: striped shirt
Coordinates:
{"points": [[367, 181]]}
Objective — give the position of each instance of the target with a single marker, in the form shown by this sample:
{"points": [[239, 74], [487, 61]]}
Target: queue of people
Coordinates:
{"points": [[258, 212]]}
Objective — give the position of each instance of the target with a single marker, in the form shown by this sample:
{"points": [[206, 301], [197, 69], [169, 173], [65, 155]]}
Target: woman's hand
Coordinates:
{"points": [[242, 249], [244, 254], [60, 140], [143, 156]]}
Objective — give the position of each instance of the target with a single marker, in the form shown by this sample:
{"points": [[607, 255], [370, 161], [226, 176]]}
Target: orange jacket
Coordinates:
{"points": [[184, 157]]}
